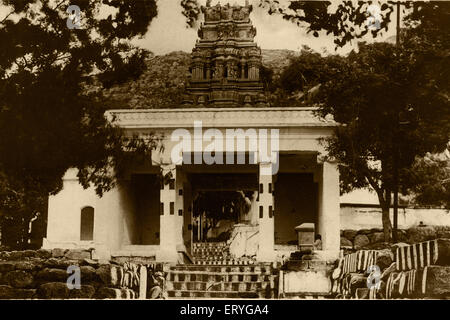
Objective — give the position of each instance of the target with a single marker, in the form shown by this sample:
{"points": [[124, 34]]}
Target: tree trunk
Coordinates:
{"points": [[387, 227]]}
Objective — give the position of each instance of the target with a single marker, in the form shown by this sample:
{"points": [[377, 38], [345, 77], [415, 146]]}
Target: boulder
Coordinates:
{"points": [[6, 266], [53, 290], [437, 281], [90, 262], [22, 255], [104, 274], [60, 263], [362, 293], [44, 254], [376, 237], [108, 293], [364, 231], [18, 279], [85, 292], [346, 243], [88, 273], [58, 252], [420, 234], [26, 265], [4, 255], [402, 236], [350, 234], [360, 241], [7, 292], [442, 231], [52, 275], [77, 254]]}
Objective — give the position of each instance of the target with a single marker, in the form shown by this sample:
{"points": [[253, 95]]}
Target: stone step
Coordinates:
{"points": [[225, 262], [211, 249], [264, 269], [209, 244], [218, 286], [212, 257], [210, 253], [215, 294], [178, 276]]}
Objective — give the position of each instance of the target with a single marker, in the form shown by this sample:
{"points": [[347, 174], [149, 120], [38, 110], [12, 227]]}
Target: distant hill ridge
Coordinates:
{"points": [[162, 84]]}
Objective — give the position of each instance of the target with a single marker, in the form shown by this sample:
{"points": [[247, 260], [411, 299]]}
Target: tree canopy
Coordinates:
{"points": [[51, 114], [393, 106]]}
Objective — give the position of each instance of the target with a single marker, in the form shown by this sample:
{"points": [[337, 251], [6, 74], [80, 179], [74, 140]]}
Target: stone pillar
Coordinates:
{"points": [[179, 205], [266, 209], [169, 233], [329, 209]]}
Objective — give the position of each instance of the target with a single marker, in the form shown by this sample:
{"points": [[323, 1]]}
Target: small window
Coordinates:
{"points": [[87, 224]]}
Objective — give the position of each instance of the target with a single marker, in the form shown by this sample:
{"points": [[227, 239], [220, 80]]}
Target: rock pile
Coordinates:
{"points": [[43, 274], [374, 238], [420, 270]]}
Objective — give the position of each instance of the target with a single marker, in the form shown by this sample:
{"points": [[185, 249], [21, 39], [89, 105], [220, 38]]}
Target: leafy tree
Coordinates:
{"points": [[51, 114], [393, 107], [392, 102], [346, 21], [431, 180]]}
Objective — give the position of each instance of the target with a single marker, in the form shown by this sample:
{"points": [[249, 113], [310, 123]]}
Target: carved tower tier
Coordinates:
{"points": [[226, 62]]}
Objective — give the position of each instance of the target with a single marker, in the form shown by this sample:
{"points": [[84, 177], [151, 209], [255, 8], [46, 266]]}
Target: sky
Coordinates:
{"points": [[168, 31]]}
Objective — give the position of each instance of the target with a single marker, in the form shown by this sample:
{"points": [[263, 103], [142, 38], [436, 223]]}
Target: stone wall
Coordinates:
{"points": [[374, 238], [42, 274], [354, 216]]}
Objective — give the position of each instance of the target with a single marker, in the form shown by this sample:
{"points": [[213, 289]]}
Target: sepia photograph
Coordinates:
{"points": [[247, 152]]}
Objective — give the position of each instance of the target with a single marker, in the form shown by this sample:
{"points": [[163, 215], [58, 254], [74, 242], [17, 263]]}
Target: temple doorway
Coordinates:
{"points": [[221, 200], [216, 212], [296, 202], [143, 221]]}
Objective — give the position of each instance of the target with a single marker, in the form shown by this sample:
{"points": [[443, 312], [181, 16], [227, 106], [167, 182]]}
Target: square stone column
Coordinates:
{"points": [[329, 209], [266, 250], [179, 205], [170, 229]]}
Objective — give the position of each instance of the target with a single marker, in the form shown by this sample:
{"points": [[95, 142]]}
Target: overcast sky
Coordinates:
{"points": [[168, 31]]}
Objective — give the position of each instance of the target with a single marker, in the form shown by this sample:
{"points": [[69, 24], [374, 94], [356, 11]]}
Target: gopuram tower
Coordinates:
{"points": [[225, 60]]}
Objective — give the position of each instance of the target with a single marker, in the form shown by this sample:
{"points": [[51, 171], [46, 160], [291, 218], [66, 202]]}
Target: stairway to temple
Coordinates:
{"points": [[215, 274]]}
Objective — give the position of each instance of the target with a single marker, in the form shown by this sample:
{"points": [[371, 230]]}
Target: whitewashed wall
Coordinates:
{"points": [[370, 217]]}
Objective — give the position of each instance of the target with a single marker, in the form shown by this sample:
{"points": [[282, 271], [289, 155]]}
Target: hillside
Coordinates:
{"points": [[162, 84]]}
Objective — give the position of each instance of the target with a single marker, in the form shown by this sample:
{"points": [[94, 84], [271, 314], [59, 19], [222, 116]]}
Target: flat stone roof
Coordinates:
{"points": [[218, 118]]}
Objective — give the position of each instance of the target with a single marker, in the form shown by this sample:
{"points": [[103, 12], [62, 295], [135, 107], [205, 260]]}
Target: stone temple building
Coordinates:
{"points": [[223, 138]]}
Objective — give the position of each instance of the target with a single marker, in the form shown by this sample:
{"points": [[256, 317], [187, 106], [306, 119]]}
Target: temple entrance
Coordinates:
{"points": [[296, 202], [220, 201], [216, 212]]}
